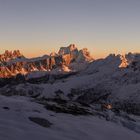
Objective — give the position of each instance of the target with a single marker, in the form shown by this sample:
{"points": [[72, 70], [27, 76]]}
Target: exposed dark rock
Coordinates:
{"points": [[37, 111], [23, 90], [69, 109], [59, 91], [126, 106], [6, 108], [40, 121], [89, 96]]}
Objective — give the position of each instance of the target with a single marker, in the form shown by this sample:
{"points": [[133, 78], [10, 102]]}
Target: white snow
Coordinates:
{"points": [[124, 84], [15, 125]]}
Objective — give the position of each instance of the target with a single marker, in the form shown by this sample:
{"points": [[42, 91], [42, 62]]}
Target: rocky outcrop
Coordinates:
{"points": [[40, 121], [13, 63], [84, 55], [10, 55]]}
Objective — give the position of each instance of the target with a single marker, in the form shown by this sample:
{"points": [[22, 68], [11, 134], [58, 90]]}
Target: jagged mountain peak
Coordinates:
{"points": [[124, 62], [84, 55], [62, 61], [72, 47], [75, 54], [15, 53], [10, 55], [129, 59], [53, 54], [68, 50]]}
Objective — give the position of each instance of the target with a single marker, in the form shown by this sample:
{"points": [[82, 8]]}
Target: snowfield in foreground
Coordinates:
{"points": [[15, 124]]}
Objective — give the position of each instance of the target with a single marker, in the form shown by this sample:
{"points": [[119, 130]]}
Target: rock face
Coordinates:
{"points": [[71, 49], [13, 63], [84, 55], [124, 63], [9, 55]]}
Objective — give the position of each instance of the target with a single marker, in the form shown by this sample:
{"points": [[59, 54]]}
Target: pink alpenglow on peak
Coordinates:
{"points": [[68, 50], [68, 59]]}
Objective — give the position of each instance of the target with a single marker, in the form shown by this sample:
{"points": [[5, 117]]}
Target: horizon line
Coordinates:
{"points": [[43, 54]]}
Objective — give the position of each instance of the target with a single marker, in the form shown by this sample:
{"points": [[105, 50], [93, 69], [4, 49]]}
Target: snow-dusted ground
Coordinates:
{"points": [[103, 82], [15, 125]]}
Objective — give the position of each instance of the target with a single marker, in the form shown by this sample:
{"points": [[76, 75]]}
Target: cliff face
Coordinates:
{"points": [[9, 55], [13, 63]]}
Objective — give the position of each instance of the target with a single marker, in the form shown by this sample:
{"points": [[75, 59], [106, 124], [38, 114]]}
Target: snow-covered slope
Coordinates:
{"points": [[99, 102], [18, 116]]}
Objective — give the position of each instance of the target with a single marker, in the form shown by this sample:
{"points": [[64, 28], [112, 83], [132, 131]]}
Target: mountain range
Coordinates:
{"points": [[68, 93], [13, 63]]}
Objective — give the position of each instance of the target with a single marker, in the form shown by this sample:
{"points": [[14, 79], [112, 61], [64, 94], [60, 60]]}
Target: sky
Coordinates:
{"points": [[38, 27]]}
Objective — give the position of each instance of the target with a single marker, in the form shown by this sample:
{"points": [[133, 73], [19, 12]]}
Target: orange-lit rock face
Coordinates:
{"points": [[13, 63], [66, 59], [9, 55], [124, 62], [71, 49], [26, 66], [107, 106]]}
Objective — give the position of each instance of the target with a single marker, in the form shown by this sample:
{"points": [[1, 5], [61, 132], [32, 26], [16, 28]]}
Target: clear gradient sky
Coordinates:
{"points": [[37, 27]]}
